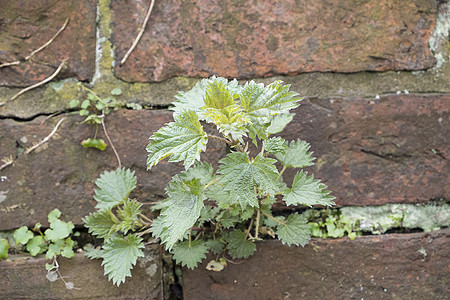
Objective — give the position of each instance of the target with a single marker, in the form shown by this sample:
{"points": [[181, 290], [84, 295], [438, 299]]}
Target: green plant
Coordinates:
{"points": [[95, 108], [54, 241], [330, 223], [224, 210]]}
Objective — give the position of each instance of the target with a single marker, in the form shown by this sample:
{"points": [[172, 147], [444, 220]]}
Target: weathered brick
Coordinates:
{"points": [[370, 152], [393, 266], [263, 38], [24, 277], [27, 25], [373, 152]]}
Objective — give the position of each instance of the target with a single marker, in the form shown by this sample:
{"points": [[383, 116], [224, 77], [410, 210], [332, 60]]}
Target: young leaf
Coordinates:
{"points": [[116, 91], [22, 235], [102, 223], [275, 145], [183, 139], [34, 245], [239, 246], [97, 144], [129, 215], [120, 255], [264, 102], [295, 231], [58, 230], [194, 98], [4, 246], [114, 188], [52, 251], [240, 176], [181, 211], [307, 191], [74, 103], [297, 155], [53, 215], [189, 255]]}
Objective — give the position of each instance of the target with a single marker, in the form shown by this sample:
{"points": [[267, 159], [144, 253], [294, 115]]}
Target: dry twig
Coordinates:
{"points": [[111, 143], [49, 41], [45, 140], [141, 32], [40, 83], [39, 49]]}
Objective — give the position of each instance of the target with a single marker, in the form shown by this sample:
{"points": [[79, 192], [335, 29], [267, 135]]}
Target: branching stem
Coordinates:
{"points": [[220, 139], [273, 218]]}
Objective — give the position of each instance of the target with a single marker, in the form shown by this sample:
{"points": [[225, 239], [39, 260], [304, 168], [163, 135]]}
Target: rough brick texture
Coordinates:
{"points": [[27, 25], [262, 38], [24, 277], [370, 152], [405, 266]]}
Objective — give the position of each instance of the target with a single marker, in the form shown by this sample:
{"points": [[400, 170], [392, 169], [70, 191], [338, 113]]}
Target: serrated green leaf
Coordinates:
{"points": [[93, 253], [22, 235], [217, 95], [240, 176], [275, 145], [189, 256], [34, 245], [114, 187], [128, 214], [297, 155], [102, 223], [279, 122], [264, 102], [238, 246], [295, 231], [194, 98], [181, 210], [200, 170], [207, 214], [307, 191], [4, 247], [120, 255], [54, 215], [181, 140], [215, 246], [94, 143], [58, 230]]}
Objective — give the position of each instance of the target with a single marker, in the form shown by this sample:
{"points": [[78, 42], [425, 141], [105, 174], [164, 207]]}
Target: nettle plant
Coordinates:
{"points": [[226, 210]]}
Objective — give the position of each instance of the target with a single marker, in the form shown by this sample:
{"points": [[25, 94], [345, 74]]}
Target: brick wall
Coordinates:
{"points": [[376, 80]]}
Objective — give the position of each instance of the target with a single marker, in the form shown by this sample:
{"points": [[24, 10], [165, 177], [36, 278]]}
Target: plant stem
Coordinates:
{"points": [[247, 234], [220, 139], [281, 172], [212, 182], [273, 218], [258, 216]]}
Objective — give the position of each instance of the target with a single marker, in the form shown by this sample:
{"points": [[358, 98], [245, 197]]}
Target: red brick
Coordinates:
{"points": [[24, 277], [369, 267], [28, 25], [263, 38]]}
